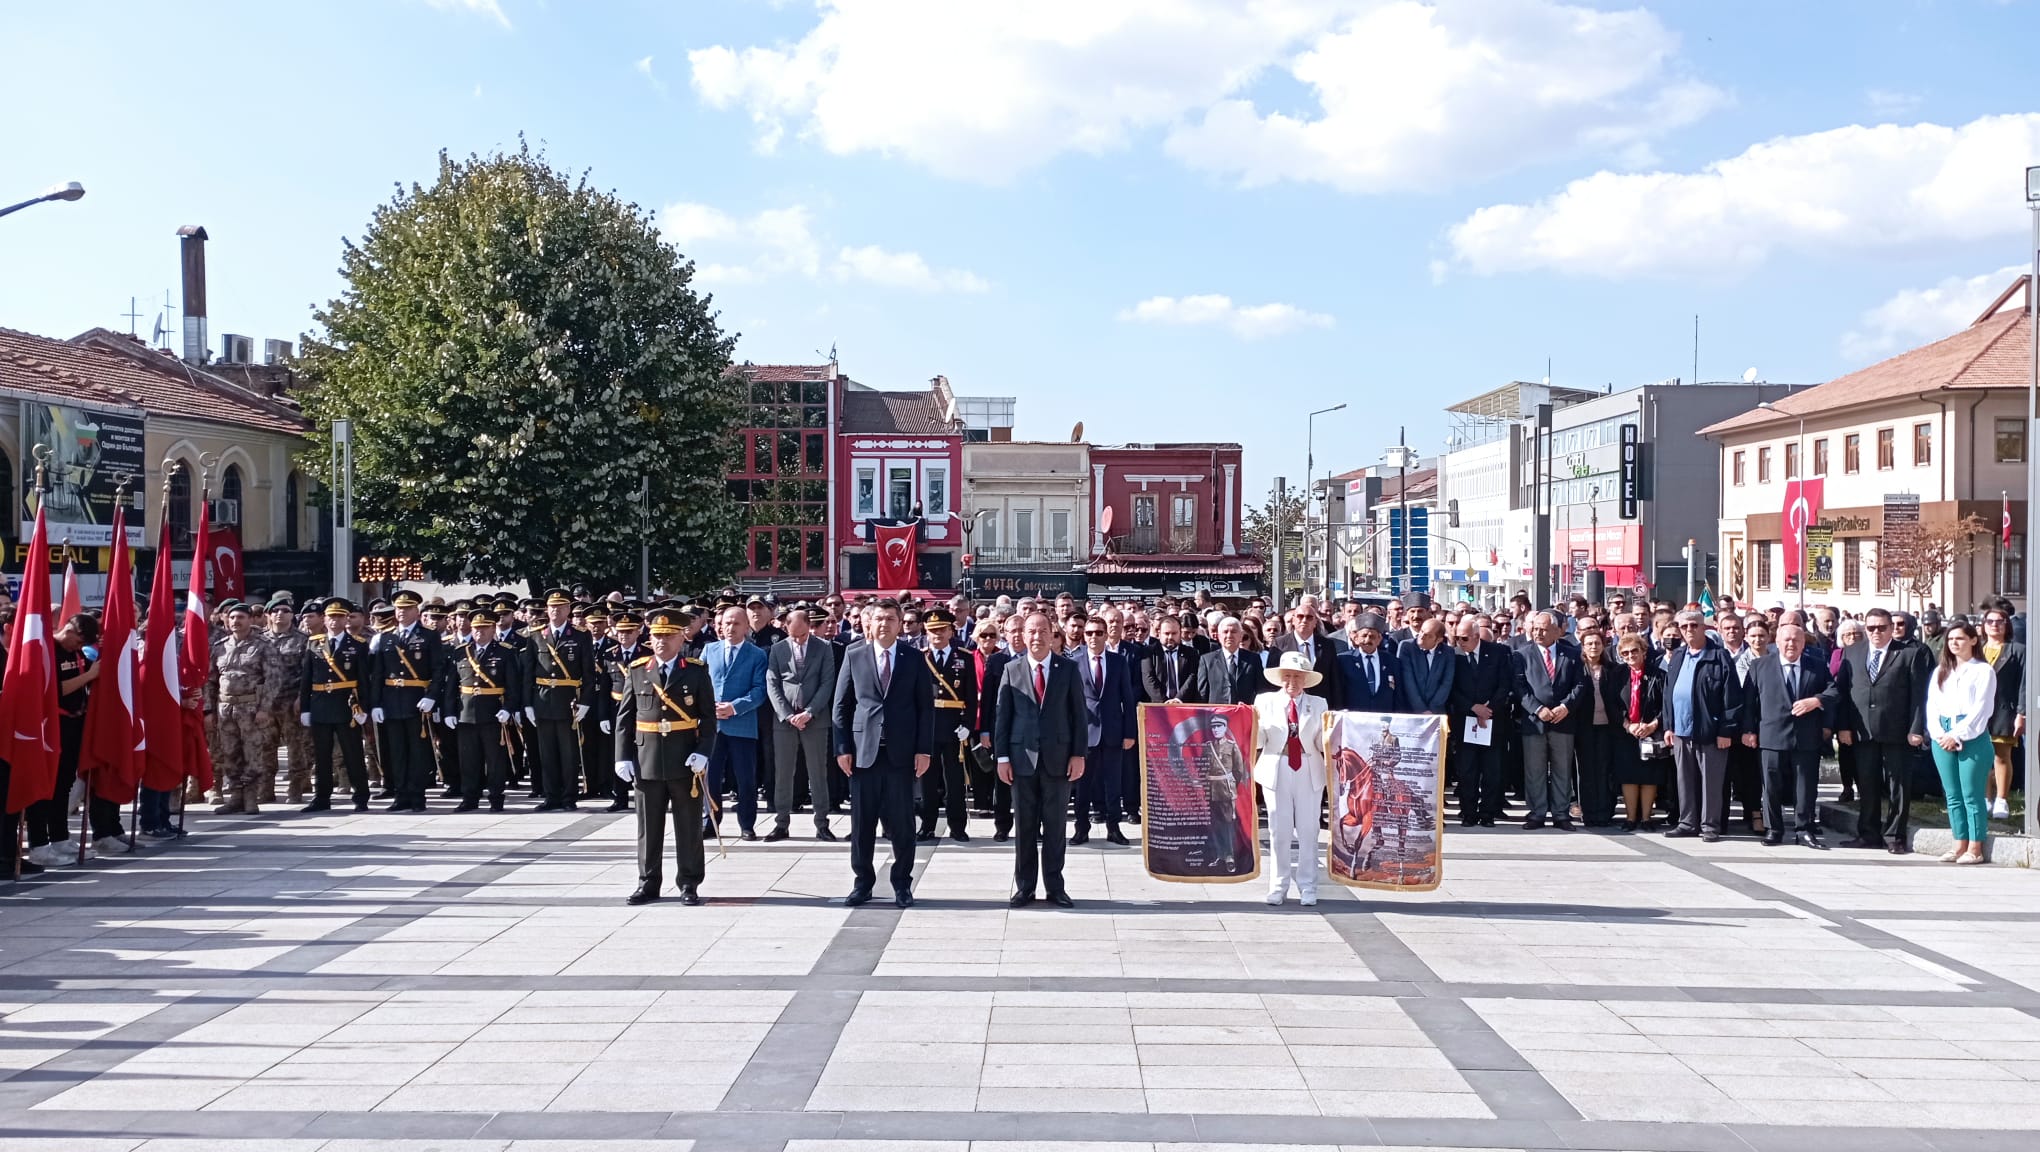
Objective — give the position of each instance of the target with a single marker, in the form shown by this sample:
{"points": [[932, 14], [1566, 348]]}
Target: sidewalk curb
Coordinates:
{"points": [[1999, 850]]}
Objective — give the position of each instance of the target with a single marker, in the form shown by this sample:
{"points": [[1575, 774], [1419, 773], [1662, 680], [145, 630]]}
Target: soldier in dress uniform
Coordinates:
{"points": [[664, 733], [381, 618], [615, 656], [407, 668], [454, 634], [561, 693], [335, 693], [596, 776], [285, 731], [510, 634], [486, 676], [944, 788], [245, 672]]}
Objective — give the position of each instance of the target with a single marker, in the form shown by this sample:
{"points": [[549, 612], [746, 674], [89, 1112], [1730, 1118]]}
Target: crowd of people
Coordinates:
{"points": [[1638, 716]]}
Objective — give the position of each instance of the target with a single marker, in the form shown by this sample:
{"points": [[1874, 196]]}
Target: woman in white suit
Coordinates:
{"points": [[1291, 772]]}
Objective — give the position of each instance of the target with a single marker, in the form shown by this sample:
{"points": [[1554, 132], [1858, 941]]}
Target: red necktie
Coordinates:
{"points": [[1040, 683], [1550, 669], [1295, 747]]}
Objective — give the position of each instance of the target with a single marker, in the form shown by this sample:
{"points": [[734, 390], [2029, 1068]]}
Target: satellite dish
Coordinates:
{"points": [[1105, 522], [1749, 376], [1077, 437]]}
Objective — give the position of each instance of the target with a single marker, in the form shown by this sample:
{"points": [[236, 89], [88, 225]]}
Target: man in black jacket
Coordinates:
{"points": [[1887, 685], [1040, 742], [1169, 673], [885, 739], [1481, 688], [1703, 710], [1791, 701], [1228, 674], [1323, 655]]}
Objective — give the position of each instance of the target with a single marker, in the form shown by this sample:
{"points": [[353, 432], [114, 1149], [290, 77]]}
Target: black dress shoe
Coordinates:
{"points": [[1000, 836], [1563, 824], [1115, 836], [775, 836], [1082, 836], [547, 806], [570, 806], [318, 806], [386, 794], [361, 804], [1679, 832], [1707, 837], [1533, 824], [618, 806], [902, 898], [689, 896], [1809, 840], [1468, 822], [1020, 900], [1859, 842], [749, 835], [823, 833], [468, 806], [959, 835], [1898, 848], [925, 837], [645, 894], [857, 896], [495, 803], [1061, 900], [1630, 825], [1773, 838], [1487, 821]]}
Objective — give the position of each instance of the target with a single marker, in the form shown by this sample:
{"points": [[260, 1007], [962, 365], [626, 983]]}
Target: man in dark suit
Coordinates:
{"points": [[1367, 668], [1481, 688], [1229, 674], [1887, 686], [1110, 724], [1324, 659], [1169, 672], [1551, 688], [1039, 742], [885, 739], [1423, 684], [1791, 702]]}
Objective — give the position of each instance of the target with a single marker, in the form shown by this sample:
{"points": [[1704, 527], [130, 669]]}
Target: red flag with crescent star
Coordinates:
{"points": [[28, 693], [896, 567], [162, 707], [111, 755], [195, 663], [2005, 521], [228, 581], [1801, 511]]}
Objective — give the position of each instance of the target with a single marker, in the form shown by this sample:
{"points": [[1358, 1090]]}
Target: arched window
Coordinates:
{"points": [[180, 507], [229, 509], [292, 513]]}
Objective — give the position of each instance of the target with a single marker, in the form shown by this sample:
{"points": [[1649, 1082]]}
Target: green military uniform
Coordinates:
{"points": [[242, 683], [664, 735], [285, 731]]}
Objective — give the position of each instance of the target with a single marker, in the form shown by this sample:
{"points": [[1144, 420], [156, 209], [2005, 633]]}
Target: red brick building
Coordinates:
{"points": [[1174, 522], [781, 477], [901, 459]]}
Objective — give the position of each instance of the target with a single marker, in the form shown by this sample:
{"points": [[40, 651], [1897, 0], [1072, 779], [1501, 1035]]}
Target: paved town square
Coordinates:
{"points": [[382, 982]]}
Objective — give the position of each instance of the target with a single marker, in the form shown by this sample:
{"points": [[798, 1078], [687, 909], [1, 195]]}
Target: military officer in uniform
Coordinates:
{"points": [[619, 654], [665, 731], [943, 789], [486, 676], [293, 737], [522, 764], [560, 691], [335, 693], [407, 670], [245, 673]]}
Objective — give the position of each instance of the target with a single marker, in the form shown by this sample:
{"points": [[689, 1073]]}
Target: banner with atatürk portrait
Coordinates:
{"points": [[1198, 820], [1386, 774]]}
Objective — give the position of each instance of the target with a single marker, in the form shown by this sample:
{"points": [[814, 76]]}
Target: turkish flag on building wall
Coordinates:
{"points": [[896, 566], [1801, 511], [228, 581]]}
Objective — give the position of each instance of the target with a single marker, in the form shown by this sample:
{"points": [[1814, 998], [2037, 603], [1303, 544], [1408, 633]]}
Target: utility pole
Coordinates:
{"points": [[1275, 549]]}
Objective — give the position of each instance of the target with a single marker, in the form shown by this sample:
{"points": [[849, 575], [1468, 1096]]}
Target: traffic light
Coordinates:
{"points": [[1452, 512]]}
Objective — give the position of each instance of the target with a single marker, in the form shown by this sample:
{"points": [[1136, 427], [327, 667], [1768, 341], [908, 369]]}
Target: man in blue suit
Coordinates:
{"points": [[1425, 666], [1368, 669], [737, 668], [1109, 709]]}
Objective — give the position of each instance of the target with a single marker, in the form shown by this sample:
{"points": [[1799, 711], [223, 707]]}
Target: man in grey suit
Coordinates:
{"points": [[1039, 740], [800, 681], [885, 739]]}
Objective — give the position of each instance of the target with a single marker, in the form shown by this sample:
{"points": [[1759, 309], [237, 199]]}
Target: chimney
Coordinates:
{"points": [[193, 243]]}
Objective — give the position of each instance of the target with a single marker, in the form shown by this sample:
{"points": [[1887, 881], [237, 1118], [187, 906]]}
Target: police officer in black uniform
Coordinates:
{"points": [[561, 692], [486, 676], [408, 661], [334, 695], [664, 735], [943, 788]]}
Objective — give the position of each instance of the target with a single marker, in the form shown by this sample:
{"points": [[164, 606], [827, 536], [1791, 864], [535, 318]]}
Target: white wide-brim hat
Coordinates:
{"points": [[1293, 662]]}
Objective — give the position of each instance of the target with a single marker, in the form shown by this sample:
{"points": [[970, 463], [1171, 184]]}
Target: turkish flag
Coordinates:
{"points": [[228, 581], [1800, 512], [71, 606], [28, 693], [162, 707], [111, 756], [196, 662], [896, 567]]}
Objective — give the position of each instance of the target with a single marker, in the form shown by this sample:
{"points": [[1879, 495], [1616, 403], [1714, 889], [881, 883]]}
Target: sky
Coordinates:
{"points": [[1166, 219]]}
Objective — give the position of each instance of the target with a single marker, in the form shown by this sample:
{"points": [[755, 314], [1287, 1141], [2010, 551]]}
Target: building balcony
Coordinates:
{"points": [[1023, 558], [1152, 543]]}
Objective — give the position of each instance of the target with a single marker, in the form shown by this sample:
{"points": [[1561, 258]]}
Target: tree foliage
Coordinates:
{"points": [[518, 353], [1259, 530]]}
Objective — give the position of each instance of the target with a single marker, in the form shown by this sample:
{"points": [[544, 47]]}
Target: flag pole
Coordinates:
{"points": [[172, 466], [42, 456]]}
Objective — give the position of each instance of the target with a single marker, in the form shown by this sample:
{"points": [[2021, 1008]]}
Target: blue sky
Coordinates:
{"points": [[1401, 203]]}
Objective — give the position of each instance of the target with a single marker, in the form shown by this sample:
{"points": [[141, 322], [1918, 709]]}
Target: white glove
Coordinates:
{"points": [[608, 729], [962, 732], [531, 714], [698, 762], [360, 717], [376, 714], [580, 713], [427, 704], [453, 721], [77, 797], [626, 771], [502, 717], [304, 719]]}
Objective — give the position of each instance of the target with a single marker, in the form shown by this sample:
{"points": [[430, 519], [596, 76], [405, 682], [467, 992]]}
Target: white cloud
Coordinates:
{"points": [[1885, 102], [781, 242], [1888, 188], [1246, 321], [644, 68], [1406, 92], [1419, 95], [490, 8], [1918, 316]]}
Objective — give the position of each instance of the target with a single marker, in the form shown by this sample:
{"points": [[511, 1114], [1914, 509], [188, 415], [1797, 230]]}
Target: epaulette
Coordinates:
{"points": [[641, 662]]}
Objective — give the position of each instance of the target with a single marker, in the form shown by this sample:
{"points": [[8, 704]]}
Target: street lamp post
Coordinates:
{"points": [[1805, 521], [1400, 458], [2032, 486], [70, 191], [1309, 482]]}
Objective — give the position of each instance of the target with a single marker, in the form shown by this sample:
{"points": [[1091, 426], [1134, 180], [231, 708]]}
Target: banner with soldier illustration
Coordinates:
{"points": [[1199, 821], [1387, 780]]}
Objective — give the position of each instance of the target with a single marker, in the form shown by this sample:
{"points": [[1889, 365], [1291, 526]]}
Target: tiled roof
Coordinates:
{"points": [[785, 373], [116, 369], [1176, 566], [1994, 352], [895, 413]]}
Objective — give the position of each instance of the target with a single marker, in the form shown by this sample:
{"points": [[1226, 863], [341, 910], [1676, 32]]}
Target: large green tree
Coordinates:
{"points": [[519, 354]]}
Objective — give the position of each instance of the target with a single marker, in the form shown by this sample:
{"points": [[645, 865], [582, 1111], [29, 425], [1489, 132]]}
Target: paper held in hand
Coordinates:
{"points": [[1477, 732]]}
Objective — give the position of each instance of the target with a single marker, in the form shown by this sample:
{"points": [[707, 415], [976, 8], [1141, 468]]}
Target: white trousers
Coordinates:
{"points": [[1293, 814]]}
